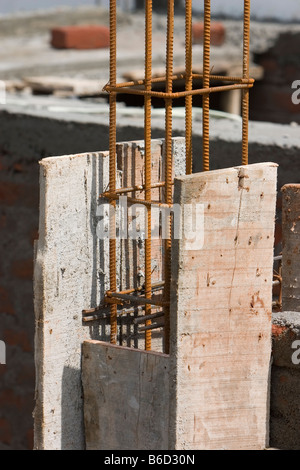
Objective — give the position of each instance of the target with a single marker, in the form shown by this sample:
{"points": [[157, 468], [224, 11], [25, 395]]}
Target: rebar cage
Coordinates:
{"points": [[144, 87]]}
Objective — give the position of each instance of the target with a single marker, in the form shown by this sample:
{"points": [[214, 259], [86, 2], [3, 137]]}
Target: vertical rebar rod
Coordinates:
{"points": [[147, 137], [245, 98], [168, 165], [188, 86], [206, 82], [112, 166]]}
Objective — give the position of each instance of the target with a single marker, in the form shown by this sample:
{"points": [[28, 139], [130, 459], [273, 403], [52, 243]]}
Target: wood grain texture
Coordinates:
{"points": [[221, 312], [126, 400]]}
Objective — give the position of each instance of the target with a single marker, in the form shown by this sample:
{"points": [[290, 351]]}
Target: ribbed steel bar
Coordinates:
{"points": [[144, 87], [112, 165], [148, 161], [188, 86], [139, 187], [181, 76], [181, 94], [206, 84], [168, 165], [245, 98]]}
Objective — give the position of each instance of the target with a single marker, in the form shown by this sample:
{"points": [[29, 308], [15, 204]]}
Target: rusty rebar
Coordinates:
{"points": [[181, 94], [188, 86], [245, 98], [144, 88], [206, 85], [180, 76], [112, 165], [168, 165], [148, 160], [132, 189]]}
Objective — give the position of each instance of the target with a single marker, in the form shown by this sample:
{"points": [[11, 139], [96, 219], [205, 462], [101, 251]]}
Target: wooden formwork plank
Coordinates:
{"points": [[126, 398], [71, 275], [221, 311]]}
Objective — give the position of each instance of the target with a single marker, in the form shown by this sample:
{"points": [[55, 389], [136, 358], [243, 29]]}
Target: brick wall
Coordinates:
{"points": [[271, 98], [18, 229]]}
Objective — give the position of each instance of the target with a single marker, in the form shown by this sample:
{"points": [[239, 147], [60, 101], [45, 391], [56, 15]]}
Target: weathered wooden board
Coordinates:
{"points": [[221, 311], [126, 398]]}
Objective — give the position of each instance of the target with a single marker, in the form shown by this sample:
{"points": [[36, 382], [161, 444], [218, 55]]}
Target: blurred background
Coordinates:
{"points": [[268, 9]]}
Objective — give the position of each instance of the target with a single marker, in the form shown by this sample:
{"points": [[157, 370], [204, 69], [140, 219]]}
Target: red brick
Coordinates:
{"points": [[283, 379], [6, 305], [14, 338], [283, 99], [278, 330], [9, 399], [34, 235], [3, 221], [80, 37], [29, 437], [23, 194], [2, 166], [18, 167], [218, 33], [5, 432], [23, 269]]}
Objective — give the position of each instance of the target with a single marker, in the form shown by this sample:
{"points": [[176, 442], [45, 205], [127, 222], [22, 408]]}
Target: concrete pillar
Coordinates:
{"points": [[221, 309], [291, 248]]}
